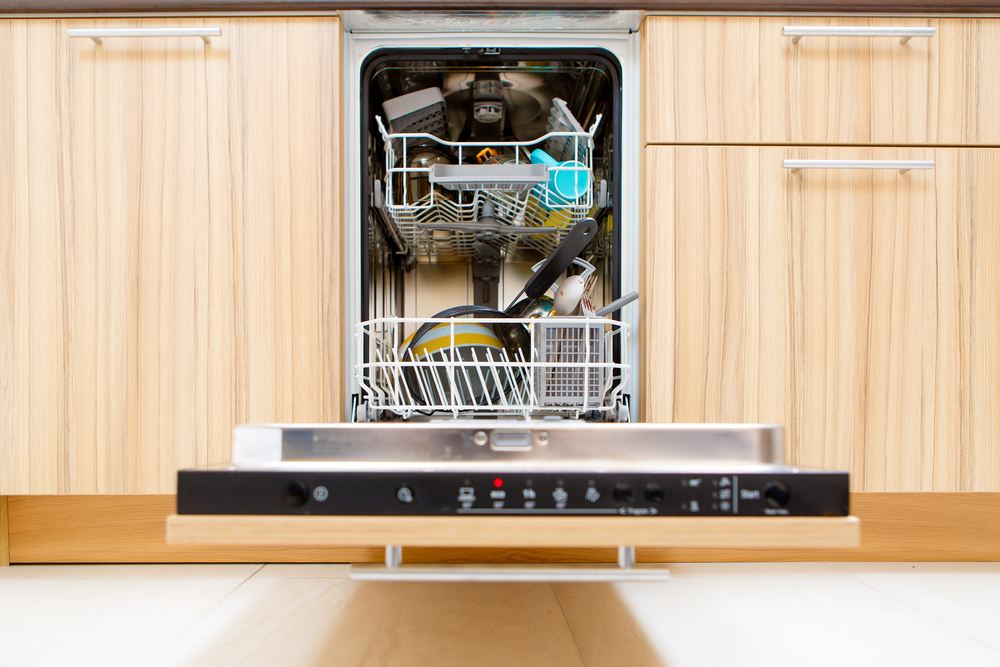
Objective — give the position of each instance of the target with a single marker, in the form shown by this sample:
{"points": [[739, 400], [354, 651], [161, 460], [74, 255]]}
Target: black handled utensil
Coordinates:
{"points": [[568, 249]]}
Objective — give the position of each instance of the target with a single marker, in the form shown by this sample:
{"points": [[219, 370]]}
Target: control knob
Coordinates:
{"points": [[777, 494]]}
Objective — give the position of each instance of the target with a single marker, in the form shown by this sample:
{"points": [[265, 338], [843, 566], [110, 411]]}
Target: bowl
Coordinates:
{"points": [[448, 359]]}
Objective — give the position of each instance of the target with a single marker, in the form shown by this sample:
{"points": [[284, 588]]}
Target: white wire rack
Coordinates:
{"points": [[570, 371], [518, 203]]}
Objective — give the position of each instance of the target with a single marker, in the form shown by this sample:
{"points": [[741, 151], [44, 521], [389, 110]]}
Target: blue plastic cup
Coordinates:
{"points": [[568, 181]]}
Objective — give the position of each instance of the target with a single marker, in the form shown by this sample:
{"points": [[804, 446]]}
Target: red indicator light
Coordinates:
{"points": [[498, 482]]}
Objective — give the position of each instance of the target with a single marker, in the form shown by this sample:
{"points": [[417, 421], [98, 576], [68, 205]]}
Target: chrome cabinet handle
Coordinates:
{"points": [[902, 165], [797, 32], [97, 34]]}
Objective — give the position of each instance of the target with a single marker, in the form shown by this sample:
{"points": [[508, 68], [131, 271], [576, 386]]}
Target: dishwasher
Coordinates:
{"points": [[491, 260]]}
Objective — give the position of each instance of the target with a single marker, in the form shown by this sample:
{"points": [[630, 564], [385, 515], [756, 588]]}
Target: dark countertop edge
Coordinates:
{"points": [[28, 7]]}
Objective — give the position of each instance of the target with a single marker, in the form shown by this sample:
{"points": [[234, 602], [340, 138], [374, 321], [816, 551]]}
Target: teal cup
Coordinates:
{"points": [[568, 181]]}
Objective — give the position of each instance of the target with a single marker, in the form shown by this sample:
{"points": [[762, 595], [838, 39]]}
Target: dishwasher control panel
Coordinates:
{"points": [[425, 493]]}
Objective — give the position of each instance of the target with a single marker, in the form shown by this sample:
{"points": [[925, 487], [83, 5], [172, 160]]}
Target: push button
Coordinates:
{"points": [[296, 493], [654, 493], [622, 493]]}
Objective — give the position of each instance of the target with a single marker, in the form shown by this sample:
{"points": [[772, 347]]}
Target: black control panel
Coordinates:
{"points": [[793, 493]]}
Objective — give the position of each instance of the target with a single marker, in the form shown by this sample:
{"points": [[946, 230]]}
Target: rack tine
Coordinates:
{"points": [[401, 378], [509, 372], [380, 368], [420, 380], [433, 366], [482, 381], [496, 376], [526, 375], [468, 382], [512, 373]]}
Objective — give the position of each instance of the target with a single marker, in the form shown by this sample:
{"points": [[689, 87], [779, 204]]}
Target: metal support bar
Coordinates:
{"points": [[625, 570], [626, 557], [394, 570], [510, 572], [393, 556]]}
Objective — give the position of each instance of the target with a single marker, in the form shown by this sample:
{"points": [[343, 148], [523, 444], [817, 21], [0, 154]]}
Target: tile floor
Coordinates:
{"points": [[769, 614]]}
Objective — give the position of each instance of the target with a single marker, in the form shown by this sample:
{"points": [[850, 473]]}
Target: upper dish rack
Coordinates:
{"points": [[450, 220]]}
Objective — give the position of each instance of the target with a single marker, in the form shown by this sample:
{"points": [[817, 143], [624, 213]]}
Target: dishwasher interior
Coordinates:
{"points": [[476, 164]]}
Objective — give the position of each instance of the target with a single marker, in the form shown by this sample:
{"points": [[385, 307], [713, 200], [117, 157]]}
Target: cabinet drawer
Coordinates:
{"points": [[858, 307], [741, 80]]}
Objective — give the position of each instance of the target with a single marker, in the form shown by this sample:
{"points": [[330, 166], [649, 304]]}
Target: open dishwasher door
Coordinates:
{"points": [[484, 417]]}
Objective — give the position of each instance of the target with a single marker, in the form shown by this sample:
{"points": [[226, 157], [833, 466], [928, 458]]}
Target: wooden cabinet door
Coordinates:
{"points": [[739, 80], [170, 246], [859, 308]]}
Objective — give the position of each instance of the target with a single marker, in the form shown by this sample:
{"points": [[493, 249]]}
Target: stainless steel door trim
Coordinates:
{"points": [[453, 444], [473, 21]]}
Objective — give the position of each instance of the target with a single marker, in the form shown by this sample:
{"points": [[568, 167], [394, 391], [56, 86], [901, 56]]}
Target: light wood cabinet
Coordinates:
{"points": [[170, 241], [859, 308], [738, 80]]}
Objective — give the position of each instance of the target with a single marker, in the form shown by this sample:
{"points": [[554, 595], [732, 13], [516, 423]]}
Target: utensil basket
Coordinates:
{"points": [[570, 356]]}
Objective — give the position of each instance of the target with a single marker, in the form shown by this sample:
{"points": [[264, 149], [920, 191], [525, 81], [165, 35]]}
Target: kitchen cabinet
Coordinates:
{"points": [[170, 234], [739, 80], [858, 307]]}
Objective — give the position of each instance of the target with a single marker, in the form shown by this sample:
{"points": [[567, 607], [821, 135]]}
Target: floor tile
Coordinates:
{"points": [[133, 571], [105, 621], [920, 568], [807, 619], [715, 569], [966, 602], [305, 571], [312, 622]]}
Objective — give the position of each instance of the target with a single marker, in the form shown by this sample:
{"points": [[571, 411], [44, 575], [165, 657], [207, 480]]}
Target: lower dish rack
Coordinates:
{"points": [[462, 368]]}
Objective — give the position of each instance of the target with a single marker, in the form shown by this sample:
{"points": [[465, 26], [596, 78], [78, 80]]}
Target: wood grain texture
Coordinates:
{"points": [[235, 6], [856, 307], [4, 534], [737, 80], [697, 532], [174, 243], [91, 529]]}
